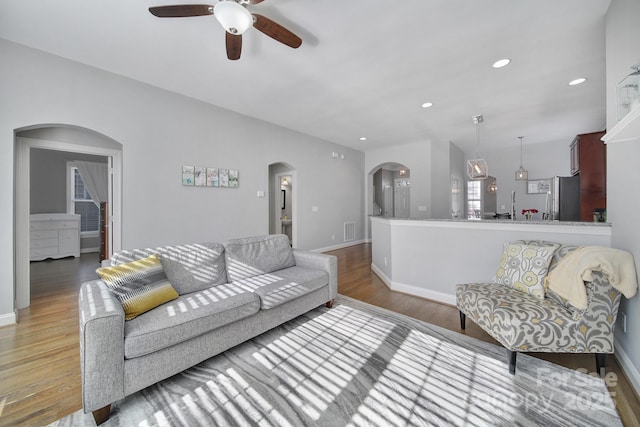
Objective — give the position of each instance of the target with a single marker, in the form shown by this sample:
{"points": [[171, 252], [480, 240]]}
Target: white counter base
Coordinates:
{"points": [[427, 258]]}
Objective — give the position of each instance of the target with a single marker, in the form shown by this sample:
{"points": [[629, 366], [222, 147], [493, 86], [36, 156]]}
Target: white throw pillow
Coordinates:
{"points": [[524, 267]]}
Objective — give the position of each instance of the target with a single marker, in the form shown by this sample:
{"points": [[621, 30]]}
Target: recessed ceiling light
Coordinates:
{"points": [[577, 81], [363, 138], [427, 104], [501, 63]]}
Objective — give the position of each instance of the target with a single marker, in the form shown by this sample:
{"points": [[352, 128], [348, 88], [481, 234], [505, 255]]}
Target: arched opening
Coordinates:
{"points": [[282, 201], [389, 191], [63, 143]]}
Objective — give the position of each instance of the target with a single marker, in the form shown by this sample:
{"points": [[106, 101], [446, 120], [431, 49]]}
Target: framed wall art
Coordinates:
{"points": [[200, 174], [188, 175], [212, 177]]}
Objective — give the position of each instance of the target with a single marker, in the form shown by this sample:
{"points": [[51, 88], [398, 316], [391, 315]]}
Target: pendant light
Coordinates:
{"points": [[477, 168], [521, 174]]}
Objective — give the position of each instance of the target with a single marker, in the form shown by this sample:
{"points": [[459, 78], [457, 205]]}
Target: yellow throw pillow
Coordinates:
{"points": [[139, 285]]}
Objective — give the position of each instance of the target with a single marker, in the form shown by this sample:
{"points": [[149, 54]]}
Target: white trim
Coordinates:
{"points": [[414, 290], [340, 246], [8, 319], [627, 366], [89, 250]]}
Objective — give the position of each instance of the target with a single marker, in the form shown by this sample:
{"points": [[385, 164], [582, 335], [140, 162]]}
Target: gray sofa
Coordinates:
{"points": [[228, 293]]}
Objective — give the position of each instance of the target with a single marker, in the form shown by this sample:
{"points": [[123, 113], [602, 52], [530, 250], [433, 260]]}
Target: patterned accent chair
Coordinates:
{"points": [[525, 323]]}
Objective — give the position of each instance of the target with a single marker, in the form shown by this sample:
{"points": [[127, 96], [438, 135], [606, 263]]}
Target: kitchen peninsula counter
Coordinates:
{"points": [[428, 257]]}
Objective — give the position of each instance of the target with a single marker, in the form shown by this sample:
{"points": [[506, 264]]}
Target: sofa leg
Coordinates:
{"points": [[463, 317], [601, 361], [329, 304], [101, 415], [512, 361]]}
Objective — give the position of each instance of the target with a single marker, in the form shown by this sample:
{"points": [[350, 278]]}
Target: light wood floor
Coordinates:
{"points": [[39, 357]]}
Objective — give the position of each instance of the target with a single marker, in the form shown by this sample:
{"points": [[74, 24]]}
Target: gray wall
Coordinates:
{"points": [[160, 131], [623, 204], [48, 179]]}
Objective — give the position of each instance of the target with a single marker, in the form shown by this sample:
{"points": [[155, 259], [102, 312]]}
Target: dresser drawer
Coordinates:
{"points": [[43, 252], [45, 243], [40, 225], [44, 234], [61, 225]]}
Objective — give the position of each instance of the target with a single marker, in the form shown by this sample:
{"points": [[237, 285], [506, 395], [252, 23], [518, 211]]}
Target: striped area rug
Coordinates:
{"points": [[360, 365]]}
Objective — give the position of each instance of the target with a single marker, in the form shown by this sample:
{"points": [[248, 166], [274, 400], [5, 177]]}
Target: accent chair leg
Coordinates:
{"points": [[463, 318], [512, 361], [329, 304], [101, 415], [601, 361]]}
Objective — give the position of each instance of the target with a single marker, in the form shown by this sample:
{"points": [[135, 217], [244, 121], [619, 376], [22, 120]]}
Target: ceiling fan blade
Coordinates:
{"points": [[276, 31], [255, 1], [234, 46], [181, 10]]}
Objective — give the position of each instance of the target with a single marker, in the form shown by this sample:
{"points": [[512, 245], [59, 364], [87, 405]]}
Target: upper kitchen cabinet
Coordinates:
{"points": [[589, 159]]}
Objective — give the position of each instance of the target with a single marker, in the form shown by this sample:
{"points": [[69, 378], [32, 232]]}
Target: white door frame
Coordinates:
{"points": [[294, 205], [22, 285]]}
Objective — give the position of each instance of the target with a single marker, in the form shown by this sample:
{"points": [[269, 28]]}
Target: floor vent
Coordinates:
{"points": [[349, 231]]}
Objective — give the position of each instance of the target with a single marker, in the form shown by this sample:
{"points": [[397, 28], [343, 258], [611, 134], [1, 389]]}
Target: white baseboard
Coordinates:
{"points": [[414, 290], [89, 250], [627, 366], [8, 319], [340, 246]]}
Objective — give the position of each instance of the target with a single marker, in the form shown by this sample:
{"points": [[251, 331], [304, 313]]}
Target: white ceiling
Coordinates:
{"points": [[364, 67]]}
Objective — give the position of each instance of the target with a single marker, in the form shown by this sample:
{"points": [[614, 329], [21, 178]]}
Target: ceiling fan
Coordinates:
{"points": [[235, 18]]}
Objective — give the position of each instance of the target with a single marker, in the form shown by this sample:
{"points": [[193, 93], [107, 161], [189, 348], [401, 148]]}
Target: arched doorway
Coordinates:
{"points": [[282, 201], [389, 191], [62, 138]]}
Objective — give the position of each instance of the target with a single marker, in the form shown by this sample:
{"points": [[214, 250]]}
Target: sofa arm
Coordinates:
{"points": [[328, 263], [101, 346], [596, 325]]}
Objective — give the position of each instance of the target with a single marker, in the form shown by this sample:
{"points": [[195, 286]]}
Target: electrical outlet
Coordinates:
{"points": [[385, 261], [333, 237], [624, 322]]}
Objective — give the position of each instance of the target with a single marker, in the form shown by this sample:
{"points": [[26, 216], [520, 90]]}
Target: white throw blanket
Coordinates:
{"points": [[567, 279]]}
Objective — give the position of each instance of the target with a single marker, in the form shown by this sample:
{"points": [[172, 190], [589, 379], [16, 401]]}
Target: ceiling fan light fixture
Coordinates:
{"points": [[233, 17]]}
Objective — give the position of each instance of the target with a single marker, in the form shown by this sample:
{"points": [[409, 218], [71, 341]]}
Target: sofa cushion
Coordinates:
{"points": [[190, 268], [189, 316], [524, 267], [253, 256], [519, 321], [139, 285], [277, 288], [296, 282]]}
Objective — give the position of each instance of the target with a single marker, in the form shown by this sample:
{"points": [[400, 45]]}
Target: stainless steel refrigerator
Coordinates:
{"points": [[563, 199]]}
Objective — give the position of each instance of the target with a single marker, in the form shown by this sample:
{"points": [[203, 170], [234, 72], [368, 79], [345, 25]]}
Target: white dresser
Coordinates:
{"points": [[55, 235]]}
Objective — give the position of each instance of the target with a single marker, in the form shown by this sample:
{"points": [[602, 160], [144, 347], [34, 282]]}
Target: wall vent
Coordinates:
{"points": [[349, 231]]}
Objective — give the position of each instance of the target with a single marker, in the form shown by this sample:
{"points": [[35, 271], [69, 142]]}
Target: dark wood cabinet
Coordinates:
{"points": [[591, 155]]}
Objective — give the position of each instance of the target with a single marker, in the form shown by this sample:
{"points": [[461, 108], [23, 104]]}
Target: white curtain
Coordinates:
{"points": [[94, 176]]}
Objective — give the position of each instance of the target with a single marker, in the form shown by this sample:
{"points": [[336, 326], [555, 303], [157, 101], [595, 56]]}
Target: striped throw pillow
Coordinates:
{"points": [[139, 285]]}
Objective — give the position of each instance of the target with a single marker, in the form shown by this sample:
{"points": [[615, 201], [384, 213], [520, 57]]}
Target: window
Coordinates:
{"points": [[79, 202], [474, 200]]}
